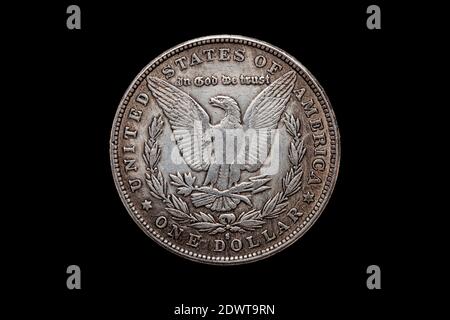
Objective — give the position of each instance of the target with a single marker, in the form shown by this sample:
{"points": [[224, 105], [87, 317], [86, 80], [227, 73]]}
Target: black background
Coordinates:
{"points": [[83, 75]]}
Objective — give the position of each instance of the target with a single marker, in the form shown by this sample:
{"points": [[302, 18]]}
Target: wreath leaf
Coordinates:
{"points": [[205, 222]]}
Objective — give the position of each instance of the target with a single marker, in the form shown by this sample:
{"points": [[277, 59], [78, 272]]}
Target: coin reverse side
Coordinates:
{"points": [[224, 149]]}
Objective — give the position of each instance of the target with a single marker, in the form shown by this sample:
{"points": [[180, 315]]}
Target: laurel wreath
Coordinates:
{"points": [[205, 222]]}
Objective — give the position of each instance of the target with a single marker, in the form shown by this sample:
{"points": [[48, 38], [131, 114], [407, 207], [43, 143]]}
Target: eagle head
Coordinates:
{"points": [[228, 104], [223, 102]]}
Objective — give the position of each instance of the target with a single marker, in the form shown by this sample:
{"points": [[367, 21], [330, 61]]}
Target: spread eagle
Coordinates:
{"points": [[190, 124]]}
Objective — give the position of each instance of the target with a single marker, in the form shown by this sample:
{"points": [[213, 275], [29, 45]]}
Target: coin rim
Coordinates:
{"points": [[115, 168]]}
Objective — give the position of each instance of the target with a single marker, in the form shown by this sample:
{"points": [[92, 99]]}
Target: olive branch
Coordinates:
{"points": [[205, 222], [157, 184]]}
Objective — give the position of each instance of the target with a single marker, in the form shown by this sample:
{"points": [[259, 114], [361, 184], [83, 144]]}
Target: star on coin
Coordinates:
{"points": [[147, 205], [308, 197], [207, 194]]}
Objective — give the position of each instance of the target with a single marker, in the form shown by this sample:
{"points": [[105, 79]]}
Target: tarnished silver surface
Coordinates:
{"points": [[224, 149]]}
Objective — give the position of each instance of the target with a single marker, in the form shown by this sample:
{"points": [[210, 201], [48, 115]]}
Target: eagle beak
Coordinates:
{"points": [[215, 103]]}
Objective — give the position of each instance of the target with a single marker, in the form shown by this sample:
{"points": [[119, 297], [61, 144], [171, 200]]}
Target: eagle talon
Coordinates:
{"points": [[189, 120]]}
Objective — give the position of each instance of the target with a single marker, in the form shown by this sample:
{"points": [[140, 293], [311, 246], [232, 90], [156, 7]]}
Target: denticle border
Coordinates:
{"points": [[334, 157]]}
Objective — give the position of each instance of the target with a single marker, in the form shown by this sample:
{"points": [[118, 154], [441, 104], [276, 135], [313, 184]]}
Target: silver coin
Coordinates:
{"points": [[224, 149]]}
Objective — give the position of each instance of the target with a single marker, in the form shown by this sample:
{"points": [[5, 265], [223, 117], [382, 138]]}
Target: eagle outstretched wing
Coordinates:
{"points": [[263, 115], [188, 121]]}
